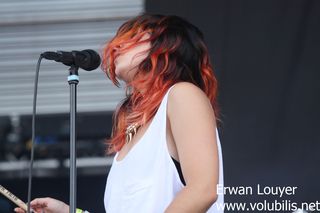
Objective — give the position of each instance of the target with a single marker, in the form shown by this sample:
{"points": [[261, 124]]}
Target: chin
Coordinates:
{"points": [[117, 72], [119, 76]]}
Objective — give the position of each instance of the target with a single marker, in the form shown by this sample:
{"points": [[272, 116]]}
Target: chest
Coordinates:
{"points": [[171, 145]]}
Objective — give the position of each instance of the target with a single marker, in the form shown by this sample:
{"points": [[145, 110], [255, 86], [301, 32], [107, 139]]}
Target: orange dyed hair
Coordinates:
{"points": [[178, 53]]}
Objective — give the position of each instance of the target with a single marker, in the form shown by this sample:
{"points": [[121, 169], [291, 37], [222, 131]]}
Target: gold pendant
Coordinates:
{"points": [[131, 131]]}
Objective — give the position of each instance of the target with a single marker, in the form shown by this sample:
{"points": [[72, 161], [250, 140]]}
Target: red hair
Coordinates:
{"points": [[178, 53]]}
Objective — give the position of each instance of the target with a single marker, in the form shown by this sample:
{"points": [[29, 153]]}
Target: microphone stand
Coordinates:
{"points": [[73, 80]]}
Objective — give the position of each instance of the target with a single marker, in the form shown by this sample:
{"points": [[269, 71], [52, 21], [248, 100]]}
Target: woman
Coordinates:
{"points": [[168, 156]]}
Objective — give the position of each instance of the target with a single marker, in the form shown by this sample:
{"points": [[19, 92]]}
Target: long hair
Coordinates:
{"points": [[177, 53]]}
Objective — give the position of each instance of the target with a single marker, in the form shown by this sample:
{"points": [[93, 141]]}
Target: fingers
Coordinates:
{"points": [[39, 202], [47, 204], [19, 210]]}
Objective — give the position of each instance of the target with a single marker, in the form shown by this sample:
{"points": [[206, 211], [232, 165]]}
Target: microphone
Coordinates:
{"points": [[85, 59]]}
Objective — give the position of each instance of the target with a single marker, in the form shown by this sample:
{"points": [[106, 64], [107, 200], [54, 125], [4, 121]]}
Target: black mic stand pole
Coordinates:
{"points": [[73, 80]]}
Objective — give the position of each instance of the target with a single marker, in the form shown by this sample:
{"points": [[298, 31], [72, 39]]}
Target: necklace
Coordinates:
{"points": [[131, 131]]}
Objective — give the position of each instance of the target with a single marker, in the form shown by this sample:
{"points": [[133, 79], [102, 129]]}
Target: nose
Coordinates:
{"points": [[116, 50], [118, 47]]}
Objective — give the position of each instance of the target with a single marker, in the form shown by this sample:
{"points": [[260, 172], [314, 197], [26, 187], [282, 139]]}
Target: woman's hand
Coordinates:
{"points": [[46, 205]]}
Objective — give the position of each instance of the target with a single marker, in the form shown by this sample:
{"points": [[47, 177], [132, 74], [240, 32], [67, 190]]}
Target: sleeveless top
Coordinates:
{"points": [[146, 179]]}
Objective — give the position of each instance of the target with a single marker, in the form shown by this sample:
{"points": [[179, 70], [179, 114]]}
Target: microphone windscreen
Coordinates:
{"points": [[92, 60]]}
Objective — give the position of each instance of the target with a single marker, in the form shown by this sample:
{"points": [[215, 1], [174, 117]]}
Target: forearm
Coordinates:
{"points": [[191, 200]]}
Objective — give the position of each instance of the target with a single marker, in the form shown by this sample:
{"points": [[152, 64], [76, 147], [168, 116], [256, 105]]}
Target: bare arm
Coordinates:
{"points": [[193, 127]]}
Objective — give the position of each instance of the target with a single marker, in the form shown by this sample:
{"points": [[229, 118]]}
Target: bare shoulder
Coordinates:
{"points": [[189, 97], [186, 88]]}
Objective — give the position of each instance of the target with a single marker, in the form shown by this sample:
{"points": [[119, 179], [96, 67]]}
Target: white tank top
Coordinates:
{"points": [[146, 180]]}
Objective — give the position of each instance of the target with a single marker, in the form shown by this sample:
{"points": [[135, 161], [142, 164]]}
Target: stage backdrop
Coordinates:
{"points": [[266, 57]]}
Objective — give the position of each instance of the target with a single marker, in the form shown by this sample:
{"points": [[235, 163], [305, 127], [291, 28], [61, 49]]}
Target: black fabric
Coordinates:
{"points": [[179, 170]]}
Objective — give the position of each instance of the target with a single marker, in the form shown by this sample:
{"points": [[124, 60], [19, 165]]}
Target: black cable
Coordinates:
{"points": [[33, 131]]}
